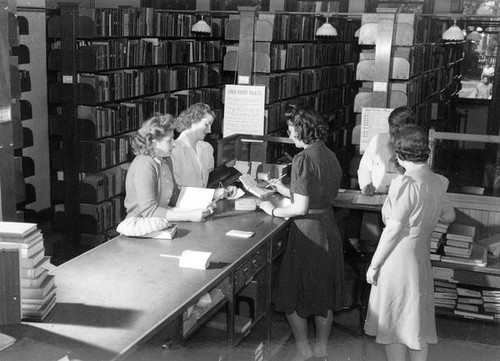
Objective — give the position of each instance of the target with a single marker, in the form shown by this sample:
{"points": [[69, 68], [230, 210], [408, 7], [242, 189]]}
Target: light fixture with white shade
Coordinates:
{"points": [[326, 29], [202, 27], [454, 33]]}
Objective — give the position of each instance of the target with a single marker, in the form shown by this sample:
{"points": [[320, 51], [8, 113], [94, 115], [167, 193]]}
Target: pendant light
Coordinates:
{"points": [[454, 33], [326, 29], [202, 27]]}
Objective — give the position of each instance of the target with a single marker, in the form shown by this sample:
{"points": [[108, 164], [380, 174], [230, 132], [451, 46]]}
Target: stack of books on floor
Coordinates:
{"points": [[459, 247], [445, 294], [38, 289], [437, 240]]}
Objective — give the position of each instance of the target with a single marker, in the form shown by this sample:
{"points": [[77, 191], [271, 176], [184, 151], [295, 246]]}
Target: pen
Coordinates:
{"points": [[275, 180]]}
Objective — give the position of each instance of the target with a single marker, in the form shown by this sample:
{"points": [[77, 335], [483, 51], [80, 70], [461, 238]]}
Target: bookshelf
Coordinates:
{"points": [[421, 70], [113, 69], [20, 137], [297, 68]]}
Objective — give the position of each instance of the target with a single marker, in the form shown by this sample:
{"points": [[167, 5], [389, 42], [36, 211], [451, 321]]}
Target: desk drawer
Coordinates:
{"points": [[249, 269]]}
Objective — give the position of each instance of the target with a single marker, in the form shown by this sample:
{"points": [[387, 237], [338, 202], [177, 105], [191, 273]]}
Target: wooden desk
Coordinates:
{"points": [[118, 295]]}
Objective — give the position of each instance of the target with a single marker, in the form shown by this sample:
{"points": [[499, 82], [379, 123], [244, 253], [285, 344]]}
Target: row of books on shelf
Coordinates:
{"points": [[124, 84], [408, 62], [292, 84], [97, 218], [468, 301], [127, 53], [96, 187], [37, 286], [287, 27], [134, 21], [414, 91], [305, 55], [104, 153], [113, 119]]}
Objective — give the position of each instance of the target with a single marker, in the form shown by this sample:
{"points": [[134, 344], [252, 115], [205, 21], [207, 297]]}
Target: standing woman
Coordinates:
{"points": [[401, 305], [150, 183], [311, 275], [192, 157]]}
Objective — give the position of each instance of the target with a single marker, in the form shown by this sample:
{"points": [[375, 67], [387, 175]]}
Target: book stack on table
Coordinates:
{"points": [[38, 289], [437, 240], [459, 247]]}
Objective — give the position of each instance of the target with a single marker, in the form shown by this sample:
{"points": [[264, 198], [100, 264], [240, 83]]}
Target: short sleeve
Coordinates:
{"points": [[400, 199], [300, 178]]}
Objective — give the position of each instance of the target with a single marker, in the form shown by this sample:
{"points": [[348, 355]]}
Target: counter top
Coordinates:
{"points": [[117, 295]]}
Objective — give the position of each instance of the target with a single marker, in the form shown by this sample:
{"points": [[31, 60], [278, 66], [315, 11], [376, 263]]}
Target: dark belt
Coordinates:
{"points": [[319, 210]]}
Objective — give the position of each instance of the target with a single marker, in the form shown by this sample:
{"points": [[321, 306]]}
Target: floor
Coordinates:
{"points": [[459, 340]]}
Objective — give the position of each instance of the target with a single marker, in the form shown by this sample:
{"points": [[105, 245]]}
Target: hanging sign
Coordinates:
{"points": [[244, 109]]}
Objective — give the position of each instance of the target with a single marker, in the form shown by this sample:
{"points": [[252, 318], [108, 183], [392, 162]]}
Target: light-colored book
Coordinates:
{"points": [[6, 341], [16, 229]]}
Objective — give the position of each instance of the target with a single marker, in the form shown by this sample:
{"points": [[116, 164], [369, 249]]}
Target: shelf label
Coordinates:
{"points": [[5, 115], [67, 79], [379, 86]]}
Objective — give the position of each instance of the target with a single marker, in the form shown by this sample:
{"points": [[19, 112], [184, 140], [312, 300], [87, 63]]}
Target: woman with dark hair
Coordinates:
{"points": [[377, 167], [401, 305], [150, 183], [311, 275]]}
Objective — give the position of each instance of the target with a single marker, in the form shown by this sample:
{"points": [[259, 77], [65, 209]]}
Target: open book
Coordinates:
{"points": [[252, 186]]}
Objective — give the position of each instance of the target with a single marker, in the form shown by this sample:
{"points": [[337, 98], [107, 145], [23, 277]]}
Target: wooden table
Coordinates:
{"points": [[116, 296]]}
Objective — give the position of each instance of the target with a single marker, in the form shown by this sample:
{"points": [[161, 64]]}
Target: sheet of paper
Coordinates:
{"points": [[194, 197], [244, 109], [373, 121]]}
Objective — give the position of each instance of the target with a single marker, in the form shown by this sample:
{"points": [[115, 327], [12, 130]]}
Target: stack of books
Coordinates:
{"points": [[459, 246], [445, 294], [38, 289], [491, 302], [470, 304], [437, 240]]}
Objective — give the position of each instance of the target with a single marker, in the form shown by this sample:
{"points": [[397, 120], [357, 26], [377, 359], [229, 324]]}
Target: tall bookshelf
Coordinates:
{"points": [[22, 137], [423, 72], [115, 68], [299, 68]]}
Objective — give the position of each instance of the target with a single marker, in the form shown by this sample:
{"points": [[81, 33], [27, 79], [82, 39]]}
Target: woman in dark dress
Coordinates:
{"points": [[311, 276]]}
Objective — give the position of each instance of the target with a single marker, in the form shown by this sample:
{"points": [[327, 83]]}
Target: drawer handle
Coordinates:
{"points": [[245, 270], [254, 262], [280, 243]]}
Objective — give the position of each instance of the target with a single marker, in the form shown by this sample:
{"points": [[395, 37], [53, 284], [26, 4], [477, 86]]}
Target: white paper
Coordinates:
{"points": [[373, 121], [239, 234], [244, 109], [194, 197], [194, 259]]}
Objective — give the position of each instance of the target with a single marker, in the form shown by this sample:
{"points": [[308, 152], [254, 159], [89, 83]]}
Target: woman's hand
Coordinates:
{"points": [[200, 215], [372, 275], [267, 207], [230, 191], [280, 187]]}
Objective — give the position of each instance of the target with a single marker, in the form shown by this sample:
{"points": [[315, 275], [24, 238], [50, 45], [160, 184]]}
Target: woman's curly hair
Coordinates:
{"points": [[192, 115], [411, 143], [309, 125], [156, 127]]}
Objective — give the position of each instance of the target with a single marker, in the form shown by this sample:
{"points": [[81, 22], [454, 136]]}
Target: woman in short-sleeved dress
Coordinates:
{"points": [[401, 305], [311, 275]]}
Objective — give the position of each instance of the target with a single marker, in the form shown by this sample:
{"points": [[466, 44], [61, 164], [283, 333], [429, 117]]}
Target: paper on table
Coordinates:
{"points": [[194, 197]]}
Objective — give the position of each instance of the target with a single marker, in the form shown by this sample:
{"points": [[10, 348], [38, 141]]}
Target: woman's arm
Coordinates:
{"points": [[388, 241], [299, 207], [192, 215]]}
